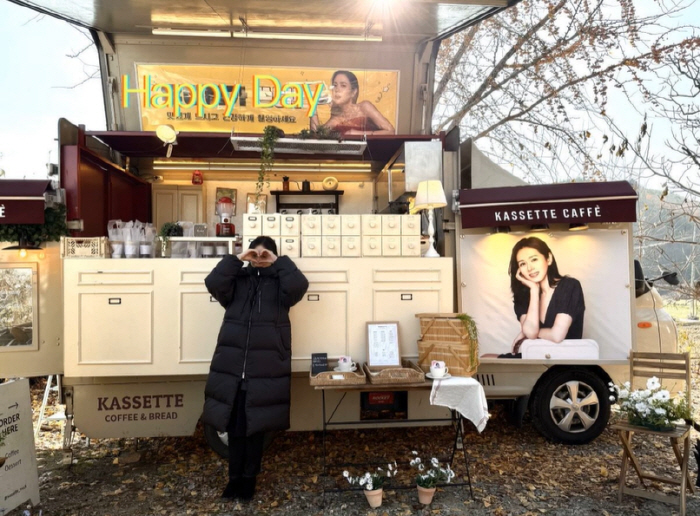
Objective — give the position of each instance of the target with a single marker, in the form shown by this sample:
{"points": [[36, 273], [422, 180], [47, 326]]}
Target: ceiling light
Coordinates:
{"points": [[305, 36], [168, 135], [501, 229], [192, 32], [539, 227], [578, 226]]}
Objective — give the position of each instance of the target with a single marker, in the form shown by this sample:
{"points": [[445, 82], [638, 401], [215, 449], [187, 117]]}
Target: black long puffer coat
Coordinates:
{"points": [[254, 343]]}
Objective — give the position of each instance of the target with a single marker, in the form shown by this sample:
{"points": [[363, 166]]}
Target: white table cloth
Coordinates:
{"points": [[465, 395]]}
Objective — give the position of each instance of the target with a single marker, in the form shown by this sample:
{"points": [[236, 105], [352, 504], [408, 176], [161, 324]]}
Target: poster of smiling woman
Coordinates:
{"points": [[557, 293]]}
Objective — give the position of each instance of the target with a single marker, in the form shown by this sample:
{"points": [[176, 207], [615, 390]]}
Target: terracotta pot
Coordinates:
{"points": [[425, 494], [374, 498]]}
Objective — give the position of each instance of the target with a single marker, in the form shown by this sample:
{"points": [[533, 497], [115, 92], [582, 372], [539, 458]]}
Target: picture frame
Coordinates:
{"points": [[226, 192], [256, 207], [383, 349]]}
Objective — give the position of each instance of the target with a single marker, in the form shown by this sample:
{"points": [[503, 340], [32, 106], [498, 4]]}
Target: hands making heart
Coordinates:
{"points": [[258, 257]]}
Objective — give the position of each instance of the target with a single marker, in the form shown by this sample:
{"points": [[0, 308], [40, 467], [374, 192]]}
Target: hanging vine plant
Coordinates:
{"points": [[267, 158], [53, 228]]}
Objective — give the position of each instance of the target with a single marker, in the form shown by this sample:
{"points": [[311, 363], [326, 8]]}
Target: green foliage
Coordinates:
{"points": [[321, 133], [267, 157], [53, 228], [170, 229], [473, 333]]}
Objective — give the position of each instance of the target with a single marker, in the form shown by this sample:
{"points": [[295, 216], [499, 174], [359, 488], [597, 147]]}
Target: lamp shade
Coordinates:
{"points": [[430, 195]]}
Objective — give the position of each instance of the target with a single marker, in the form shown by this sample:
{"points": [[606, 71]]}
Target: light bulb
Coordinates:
{"points": [[22, 253]]}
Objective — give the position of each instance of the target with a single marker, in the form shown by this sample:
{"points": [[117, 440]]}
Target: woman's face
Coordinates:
{"points": [[532, 264], [343, 92]]}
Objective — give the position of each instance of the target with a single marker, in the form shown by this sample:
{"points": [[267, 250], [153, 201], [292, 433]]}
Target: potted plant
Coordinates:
{"points": [[267, 157], [429, 477], [167, 230], [373, 483], [652, 407]]}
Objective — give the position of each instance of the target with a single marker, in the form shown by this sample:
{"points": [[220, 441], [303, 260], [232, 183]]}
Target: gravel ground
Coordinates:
{"points": [[514, 471]]}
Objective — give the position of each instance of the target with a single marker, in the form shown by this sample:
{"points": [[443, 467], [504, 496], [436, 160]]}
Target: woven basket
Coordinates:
{"points": [[338, 378], [408, 373], [444, 337]]}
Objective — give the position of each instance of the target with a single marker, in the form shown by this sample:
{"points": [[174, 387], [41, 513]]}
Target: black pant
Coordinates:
{"points": [[244, 451]]}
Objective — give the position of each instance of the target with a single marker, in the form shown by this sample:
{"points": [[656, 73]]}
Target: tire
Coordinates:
{"points": [[560, 418], [218, 441]]}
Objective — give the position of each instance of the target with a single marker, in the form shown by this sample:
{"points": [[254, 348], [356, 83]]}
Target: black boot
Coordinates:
{"points": [[246, 488], [232, 489]]}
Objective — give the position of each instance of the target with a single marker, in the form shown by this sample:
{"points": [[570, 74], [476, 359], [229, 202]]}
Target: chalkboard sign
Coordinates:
{"points": [[319, 362]]}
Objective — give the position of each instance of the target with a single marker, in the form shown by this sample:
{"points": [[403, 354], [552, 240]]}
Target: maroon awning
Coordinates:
{"points": [[613, 201], [22, 200]]}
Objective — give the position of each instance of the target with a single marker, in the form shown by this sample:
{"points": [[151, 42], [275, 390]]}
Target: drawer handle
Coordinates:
{"points": [[313, 297], [115, 300], [406, 297]]}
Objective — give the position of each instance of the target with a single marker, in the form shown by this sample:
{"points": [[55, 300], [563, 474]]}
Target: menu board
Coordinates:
{"points": [[383, 344]]}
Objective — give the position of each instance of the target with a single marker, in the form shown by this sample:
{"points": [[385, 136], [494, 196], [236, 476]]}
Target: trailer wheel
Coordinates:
{"points": [[571, 407], [218, 441]]}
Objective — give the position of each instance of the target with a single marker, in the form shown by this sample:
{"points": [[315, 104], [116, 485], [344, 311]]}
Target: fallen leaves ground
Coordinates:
{"points": [[514, 471]]}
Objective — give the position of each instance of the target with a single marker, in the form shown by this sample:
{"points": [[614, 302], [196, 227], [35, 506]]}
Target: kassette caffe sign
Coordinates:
{"points": [[564, 203]]}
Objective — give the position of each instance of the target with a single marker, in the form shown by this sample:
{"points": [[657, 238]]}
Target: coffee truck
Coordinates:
{"points": [[131, 339]]}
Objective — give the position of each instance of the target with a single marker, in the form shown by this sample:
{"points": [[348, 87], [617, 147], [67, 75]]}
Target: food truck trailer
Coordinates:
{"points": [[132, 338]]}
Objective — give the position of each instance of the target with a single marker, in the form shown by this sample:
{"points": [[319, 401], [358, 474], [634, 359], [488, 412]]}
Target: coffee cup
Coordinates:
{"points": [[345, 363], [131, 249], [117, 248], [438, 369]]}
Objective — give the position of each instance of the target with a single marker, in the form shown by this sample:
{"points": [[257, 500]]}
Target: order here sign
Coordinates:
{"points": [[19, 481]]}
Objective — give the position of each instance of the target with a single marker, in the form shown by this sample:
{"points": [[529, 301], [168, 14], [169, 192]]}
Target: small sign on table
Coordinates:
{"points": [[383, 345], [319, 363]]}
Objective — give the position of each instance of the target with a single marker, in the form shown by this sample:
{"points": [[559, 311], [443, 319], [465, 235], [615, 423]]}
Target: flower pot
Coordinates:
{"points": [[425, 494], [374, 498], [165, 248]]}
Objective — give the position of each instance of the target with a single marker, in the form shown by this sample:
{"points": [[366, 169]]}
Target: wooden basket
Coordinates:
{"points": [[338, 378], [408, 373], [89, 247], [444, 337]]}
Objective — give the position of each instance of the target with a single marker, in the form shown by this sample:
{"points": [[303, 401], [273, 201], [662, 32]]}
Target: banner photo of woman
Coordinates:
{"points": [[215, 98], [558, 294]]}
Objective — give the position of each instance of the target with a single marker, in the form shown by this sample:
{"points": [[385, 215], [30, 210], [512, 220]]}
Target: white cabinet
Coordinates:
{"points": [[177, 203]]}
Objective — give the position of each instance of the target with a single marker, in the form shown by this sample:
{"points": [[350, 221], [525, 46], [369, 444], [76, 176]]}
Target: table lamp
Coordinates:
{"points": [[430, 195]]}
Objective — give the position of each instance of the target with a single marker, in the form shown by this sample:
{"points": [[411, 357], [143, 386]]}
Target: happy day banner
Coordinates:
{"points": [[246, 99]]}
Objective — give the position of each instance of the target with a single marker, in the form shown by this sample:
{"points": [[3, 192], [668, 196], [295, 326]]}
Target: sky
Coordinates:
{"points": [[34, 73]]}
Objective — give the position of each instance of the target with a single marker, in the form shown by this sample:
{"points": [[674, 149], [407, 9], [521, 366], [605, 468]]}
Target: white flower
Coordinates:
{"points": [[414, 452], [434, 462], [627, 385], [624, 394], [660, 411], [612, 398], [421, 467], [346, 473], [363, 481], [640, 407], [653, 383], [662, 395]]}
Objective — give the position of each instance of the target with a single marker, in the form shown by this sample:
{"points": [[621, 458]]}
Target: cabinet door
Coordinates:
{"points": [[190, 203], [200, 317], [164, 205], [319, 323]]}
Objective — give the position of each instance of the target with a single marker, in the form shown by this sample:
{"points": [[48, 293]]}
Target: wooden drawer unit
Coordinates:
{"points": [[252, 225], [290, 247], [271, 224], [410, 245], [410, 225], [311, 246], [391, 225], [351, 225], [331, 246], [289, 225], [351, 246], [391, 245], [371, 245], [331, 225], [371, 225], [311, 225]]}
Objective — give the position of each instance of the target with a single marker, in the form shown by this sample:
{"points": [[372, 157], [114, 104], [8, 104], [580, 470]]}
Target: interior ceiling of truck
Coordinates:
{"points": [[373, 20]]}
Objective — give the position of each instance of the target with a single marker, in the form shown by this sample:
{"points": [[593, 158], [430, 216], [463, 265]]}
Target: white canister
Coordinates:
{"points": [[117, 248], [131, 249], [207, 251], [145, 250]]}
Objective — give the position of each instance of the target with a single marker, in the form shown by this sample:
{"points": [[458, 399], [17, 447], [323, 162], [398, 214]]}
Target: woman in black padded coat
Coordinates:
{"points": [[248, 388]]}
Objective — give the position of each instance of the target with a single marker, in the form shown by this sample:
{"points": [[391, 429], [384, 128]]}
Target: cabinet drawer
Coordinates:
{"points": [[311, 225], [331, 225], [371, 225], [352, 246], [252, 225], [289, 225], [330, 246], [391, 245], [391, 224], [271, 224], [410, 245], [290, 247], [371, 245], [311, 246], [410, 225], [351, 225]]}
